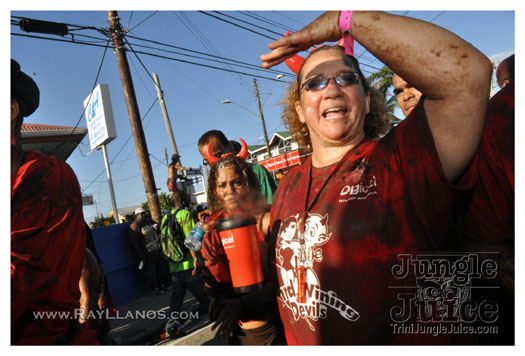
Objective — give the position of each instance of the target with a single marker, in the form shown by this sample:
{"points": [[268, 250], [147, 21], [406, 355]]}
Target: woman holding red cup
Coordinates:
{"points": [[243, 297]]}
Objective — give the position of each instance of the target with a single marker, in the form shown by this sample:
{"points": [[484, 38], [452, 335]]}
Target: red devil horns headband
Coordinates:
{"points": [[243, 153], [296, 62]]}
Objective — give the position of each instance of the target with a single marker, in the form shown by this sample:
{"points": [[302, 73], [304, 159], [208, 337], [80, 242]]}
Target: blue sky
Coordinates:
{"points": [[65, 73]]}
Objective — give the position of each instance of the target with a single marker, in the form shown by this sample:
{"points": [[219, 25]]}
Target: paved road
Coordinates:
{"points": [[141, 322]]}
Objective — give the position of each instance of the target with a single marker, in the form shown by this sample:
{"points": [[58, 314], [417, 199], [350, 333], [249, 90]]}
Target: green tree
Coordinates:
{"points": [[100, 221], [382, 80], [165, 202]]}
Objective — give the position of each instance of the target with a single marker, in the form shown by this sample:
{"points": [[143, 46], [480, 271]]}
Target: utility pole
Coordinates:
{"points": [[167, 121], [134, 117], [262, 118], [110, 182], [165, 113]]}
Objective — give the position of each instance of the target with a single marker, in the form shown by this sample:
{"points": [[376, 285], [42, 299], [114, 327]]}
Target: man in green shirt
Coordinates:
{"points": [[184, 273], [220, 145]]}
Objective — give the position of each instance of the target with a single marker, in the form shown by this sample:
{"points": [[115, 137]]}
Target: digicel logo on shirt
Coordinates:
{"points": [[359, 191]]}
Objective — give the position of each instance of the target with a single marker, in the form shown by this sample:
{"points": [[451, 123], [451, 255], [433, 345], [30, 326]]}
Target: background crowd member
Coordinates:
{"points": [[94, 292], [250, 319], [220, 145], [485, 221], [173, 170], [47, 236], [185, 274], [146, 247], [505, 72], [358, 204], [406, 95]]}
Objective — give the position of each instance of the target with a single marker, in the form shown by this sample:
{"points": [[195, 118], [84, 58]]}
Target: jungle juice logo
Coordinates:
{"points": [[444, 289]]}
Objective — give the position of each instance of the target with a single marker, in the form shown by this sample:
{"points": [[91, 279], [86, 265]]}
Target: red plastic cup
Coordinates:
{"points": [[241, 246]]}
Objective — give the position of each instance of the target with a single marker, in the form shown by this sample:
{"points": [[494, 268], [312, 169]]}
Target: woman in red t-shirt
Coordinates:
{"points": [[251, 318]]}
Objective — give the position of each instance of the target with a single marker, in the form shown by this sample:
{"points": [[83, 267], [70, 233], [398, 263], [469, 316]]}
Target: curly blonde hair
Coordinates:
{"points": [[376, 121]]}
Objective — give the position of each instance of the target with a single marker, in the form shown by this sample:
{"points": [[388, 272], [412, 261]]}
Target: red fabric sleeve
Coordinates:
{"points": [[490, 214]]}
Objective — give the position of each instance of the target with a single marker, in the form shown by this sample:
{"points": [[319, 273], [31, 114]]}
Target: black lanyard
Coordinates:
{"points": [[308, 207]]}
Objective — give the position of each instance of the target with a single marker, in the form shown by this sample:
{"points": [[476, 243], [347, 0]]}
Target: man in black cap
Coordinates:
{"points": [[47, 236], [173, 172]]}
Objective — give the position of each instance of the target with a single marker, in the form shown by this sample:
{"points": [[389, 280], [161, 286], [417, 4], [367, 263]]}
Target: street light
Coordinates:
{"points": [[228, 101]]}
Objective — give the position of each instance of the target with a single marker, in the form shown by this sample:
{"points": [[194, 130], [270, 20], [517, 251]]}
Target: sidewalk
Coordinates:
{"points": [[141, 322]]}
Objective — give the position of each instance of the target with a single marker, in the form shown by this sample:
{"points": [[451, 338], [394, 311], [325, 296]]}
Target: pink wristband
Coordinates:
{"points": [[344, 24]]}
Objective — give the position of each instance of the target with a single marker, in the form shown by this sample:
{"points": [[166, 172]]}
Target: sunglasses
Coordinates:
{"points": [[343, 80]]}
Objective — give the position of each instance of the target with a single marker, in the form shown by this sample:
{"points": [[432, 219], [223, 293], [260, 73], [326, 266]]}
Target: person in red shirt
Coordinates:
{"points": [[243, 319], [47, 237], [485, 222], [356, 228], [505, 72]]}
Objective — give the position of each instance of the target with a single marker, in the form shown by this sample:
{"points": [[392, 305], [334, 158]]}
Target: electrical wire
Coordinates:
{"points": [[208, 44], [121, 148], [140, 61], [290, 18], [146, 88], [141, 22], [435, 17], [236, 25], [89, 99], [248, 23], [150, 54], [215, 59], [267, 21], [207, 66]]}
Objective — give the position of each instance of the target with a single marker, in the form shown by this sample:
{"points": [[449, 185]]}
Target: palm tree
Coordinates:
{"points": [[382, 80]]}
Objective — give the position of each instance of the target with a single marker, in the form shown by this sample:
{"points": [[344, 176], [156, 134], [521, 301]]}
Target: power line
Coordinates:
{"points": [[236, 25], [248, 23], [146, 88], [121, 148], [290, 18], [206, 43], [129, 21], [91, 93], [141, 22], [435, 17], [268, 21], [141, 63], [207, 66], [213, 57], [153, 55]]}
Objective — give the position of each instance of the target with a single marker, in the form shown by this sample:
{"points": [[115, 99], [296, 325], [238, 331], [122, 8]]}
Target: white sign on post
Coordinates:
{"points": [[99, 117], [87, 200]]}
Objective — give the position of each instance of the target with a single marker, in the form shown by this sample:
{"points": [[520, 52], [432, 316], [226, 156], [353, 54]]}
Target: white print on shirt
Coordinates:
{"points": [[359, 191], [287, 252]]}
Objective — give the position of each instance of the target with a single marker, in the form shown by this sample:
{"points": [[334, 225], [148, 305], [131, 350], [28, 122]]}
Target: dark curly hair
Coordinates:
{"points": [[376, 121], [240, 167]]}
